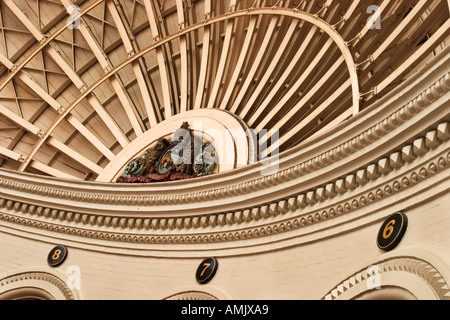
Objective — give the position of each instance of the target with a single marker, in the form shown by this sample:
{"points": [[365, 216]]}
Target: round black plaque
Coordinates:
{"points": [[57, 256], [206, 270], [392, 231]]}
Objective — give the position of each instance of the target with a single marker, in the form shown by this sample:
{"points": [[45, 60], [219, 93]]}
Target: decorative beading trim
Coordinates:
{"points": [[420, 268], [39, 276], [321, 161], [407, 180], [192, 295], [261, 214]]}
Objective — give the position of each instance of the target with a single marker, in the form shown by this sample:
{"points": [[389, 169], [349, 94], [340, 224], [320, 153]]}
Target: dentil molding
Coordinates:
{"points": [[144, 215], [423, 270]]}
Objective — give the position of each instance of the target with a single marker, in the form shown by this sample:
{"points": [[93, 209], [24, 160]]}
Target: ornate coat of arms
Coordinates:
{"points": [[186, 157]]}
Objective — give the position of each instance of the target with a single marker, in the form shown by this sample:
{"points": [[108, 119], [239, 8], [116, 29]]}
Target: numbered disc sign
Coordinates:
{"points": [[57, 256], [206, 270], [392, 231]]}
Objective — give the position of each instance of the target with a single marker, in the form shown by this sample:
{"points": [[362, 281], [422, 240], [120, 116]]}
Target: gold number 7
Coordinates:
{"points": [[207, 265]]}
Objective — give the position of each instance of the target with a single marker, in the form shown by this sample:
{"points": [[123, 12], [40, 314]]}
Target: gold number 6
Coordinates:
{"points": [[389, 230]]}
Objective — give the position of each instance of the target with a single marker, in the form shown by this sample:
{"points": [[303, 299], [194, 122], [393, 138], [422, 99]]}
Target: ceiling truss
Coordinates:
{"points": [[301, 67]]}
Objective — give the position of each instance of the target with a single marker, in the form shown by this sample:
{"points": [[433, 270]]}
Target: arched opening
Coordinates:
{"points": [[387, 293], [402, 278], [35, 286], [192, 295], [28, 293]]}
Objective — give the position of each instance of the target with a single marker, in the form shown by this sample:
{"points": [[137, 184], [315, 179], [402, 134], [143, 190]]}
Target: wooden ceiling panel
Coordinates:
{"points": [[72, 98]]}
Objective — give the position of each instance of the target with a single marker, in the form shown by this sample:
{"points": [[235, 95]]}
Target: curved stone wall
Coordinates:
{"points": [[307, 231]]}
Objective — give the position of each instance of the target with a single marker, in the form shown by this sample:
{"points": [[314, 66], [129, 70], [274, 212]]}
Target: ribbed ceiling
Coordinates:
{"points": [[72, 97]]}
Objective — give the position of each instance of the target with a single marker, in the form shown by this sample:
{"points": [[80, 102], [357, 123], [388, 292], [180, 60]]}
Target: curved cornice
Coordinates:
{"points": [[422, 269], [277, 219], [390, 149], [192, 295], [95, 193], [234, 73], [21, 280]]}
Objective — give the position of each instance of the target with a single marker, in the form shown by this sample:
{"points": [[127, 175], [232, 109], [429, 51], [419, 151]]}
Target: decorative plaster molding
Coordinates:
{"points": [[213, 124], [192, 295], [245, 220], [359, 142], [53, 206], [38, 276], [425, 271]]}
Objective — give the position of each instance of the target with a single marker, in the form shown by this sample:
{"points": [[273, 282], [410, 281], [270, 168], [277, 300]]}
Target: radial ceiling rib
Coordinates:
{"points": [[108, 120], [381, 9], [440, 35], [60, 146], [334, 122], [295, 87], [20, 121], [353, 5], [302, 103], [164, 73], [266, 107], [240, 63], [51, 171], [91, 137], [24, 20], [9, 154], [169, 52], [193, 63], [296, 66], [58, 107], [255, 65], [117, 84], [223, 59], [137, 69], [79, 83], [205, 58], [184, 58], [315, 113], [406, 24], [311, 117], [269, 70]]}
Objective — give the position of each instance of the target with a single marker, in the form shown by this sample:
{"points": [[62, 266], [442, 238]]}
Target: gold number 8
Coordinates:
{"points": [[389, 230], [56, 254]]}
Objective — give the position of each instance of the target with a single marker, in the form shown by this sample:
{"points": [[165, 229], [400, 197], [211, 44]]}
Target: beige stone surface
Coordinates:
{"points": [[364, 128]]}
